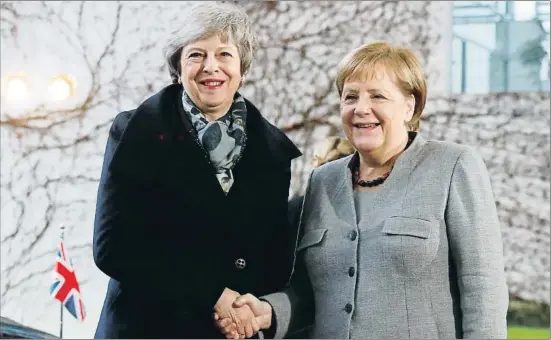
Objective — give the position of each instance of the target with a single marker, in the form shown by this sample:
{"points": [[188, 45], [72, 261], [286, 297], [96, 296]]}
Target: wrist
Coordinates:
{"points": [[269, 315]]}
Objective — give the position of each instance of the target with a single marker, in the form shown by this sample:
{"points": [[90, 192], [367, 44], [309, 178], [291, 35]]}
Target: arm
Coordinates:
{"points": [[292, 308], [477, 250], [131, 252]]}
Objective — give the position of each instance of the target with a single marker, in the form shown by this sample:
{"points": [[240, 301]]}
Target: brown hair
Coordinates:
{"points": [[330, 149], [400, 63]]}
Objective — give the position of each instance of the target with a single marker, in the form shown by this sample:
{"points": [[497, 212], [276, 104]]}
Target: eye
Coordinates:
{"points": [[226, 54], [349, 97], [378, 96], [195, 55]]}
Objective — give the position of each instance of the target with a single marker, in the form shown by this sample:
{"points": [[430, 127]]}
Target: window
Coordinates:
{"points": [[500, 46]]}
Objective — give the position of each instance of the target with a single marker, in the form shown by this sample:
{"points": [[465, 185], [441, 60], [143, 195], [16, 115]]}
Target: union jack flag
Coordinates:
{"points": [[65, 287]]}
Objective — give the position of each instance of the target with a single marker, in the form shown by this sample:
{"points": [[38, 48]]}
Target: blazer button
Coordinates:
{"points": [[348, 308], [240, 263], [353, 235], [351, 271]]}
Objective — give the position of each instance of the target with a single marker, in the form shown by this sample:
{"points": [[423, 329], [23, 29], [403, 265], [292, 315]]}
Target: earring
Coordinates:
{"points": [[179, 80]]}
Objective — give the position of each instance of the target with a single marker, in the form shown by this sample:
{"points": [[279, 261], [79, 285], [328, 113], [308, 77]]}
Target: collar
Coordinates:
{"points": [[157, 123]]}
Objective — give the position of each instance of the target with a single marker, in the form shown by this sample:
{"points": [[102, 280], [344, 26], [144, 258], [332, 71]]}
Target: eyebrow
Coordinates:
{"points": [[196, 48], [355, 90]]}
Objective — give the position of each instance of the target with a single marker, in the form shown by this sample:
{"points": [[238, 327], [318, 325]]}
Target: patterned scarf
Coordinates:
{"points": [[223, 139]]}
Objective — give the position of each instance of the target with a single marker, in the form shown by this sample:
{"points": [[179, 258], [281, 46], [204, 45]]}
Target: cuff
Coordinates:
{"points": [[281, 309], [270, 332]]}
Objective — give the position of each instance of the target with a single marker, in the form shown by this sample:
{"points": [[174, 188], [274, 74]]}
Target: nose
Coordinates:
{"points": [[363, 106], [210, 64]]}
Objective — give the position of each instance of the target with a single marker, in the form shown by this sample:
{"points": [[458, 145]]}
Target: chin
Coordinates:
{"points": [[213, 102], [366, 149], [367, 145]]}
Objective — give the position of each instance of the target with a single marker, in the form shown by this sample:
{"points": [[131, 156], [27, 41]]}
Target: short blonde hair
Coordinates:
{"points": [[331, 149], [400, 63]]}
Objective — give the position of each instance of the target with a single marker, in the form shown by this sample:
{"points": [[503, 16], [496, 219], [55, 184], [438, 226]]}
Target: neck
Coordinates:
{"points": [[214, 113], [374, 164]]}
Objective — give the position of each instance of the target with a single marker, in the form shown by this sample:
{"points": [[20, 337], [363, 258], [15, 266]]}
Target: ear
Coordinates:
{"points": [[410, 104]]}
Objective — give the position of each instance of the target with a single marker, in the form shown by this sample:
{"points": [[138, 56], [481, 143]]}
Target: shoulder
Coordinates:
{"points": [[120, 123], [330, 174], [149, 117], [456, 160], [453, 153]]}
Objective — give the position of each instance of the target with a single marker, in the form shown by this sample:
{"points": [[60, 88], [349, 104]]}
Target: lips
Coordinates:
{"points": [[366, 125], [212, 83]]}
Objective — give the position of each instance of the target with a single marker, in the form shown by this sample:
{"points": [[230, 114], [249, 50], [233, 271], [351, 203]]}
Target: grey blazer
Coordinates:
{"points": [[427, 257]]}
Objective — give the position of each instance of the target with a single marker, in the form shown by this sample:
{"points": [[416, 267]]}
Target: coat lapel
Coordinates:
{"points": [[391, 192], [158, 144]]}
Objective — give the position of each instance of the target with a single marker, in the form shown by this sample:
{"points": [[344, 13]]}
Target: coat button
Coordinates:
{"points": [[351, 271], [348, 308], [353, 235], [240, 264]]}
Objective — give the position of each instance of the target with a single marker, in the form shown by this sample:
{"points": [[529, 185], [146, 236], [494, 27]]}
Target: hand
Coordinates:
{"points": [[241, 321], [223, 306], [261, 309], [243, 324]]}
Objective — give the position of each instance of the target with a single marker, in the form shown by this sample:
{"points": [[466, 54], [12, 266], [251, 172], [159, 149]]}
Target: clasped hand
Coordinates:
{"points": [[241, 316]]}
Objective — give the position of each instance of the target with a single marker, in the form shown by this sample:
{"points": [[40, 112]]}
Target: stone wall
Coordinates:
{"points": [[511, 131]]}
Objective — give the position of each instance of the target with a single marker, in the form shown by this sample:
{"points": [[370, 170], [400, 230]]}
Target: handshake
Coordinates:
{"points": [[241, 316]]}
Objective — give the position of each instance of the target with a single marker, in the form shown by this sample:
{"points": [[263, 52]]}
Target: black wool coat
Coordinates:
{"points": [[168, 236]]}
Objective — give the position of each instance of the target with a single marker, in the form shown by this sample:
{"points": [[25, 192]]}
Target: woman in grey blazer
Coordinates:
{"points": [[401, 239]]}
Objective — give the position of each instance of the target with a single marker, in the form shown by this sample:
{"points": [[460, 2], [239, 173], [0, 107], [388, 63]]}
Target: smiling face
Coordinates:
{"points": [[374, 111], [211, 74]]}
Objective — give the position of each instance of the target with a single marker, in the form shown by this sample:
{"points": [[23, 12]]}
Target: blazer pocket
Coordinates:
{"points": [[409, 244], [311, 238], [407, 226]]}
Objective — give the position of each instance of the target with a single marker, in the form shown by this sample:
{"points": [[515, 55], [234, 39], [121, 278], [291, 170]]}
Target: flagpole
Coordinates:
{"points": [[62, 227]]}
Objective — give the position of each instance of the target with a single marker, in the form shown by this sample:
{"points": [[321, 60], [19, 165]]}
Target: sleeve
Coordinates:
{"points": [[293, 308], [130, 251], [477, 250]]}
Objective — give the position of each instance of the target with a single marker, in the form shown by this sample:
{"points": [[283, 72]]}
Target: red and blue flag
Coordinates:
{"points": [[65, 287]]}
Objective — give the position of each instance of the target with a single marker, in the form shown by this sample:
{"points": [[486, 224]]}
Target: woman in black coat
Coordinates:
{"points": [[192, 200]]}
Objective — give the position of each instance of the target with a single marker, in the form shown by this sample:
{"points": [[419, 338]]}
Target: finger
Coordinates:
{"points": [[227, 331], [237, 321], [240, 326], [230, 328], [249, 331], [248, 299], [223, 323], [255, 325], [241, 329]]}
